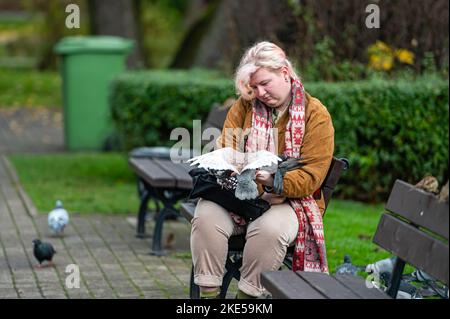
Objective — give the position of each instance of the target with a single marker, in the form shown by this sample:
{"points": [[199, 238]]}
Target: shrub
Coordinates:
{"points": [[146, 106], [387, 129]]}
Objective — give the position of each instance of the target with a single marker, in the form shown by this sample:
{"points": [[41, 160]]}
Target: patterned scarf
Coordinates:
{"points": [[309, 253]]}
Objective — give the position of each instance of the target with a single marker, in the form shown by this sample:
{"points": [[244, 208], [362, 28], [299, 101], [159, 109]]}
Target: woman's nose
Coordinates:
{"points": [[260, 91]]}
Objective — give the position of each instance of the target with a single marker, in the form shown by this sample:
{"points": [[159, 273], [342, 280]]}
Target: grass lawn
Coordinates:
{"points": [[85, 182], [30, 88], [349, 229], [103, 183]]}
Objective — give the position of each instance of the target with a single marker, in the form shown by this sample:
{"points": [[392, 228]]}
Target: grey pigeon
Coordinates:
{"points": [[43, 252], [381, 266], [347, 268], [405, 290], [58, 219], [246, 187]]}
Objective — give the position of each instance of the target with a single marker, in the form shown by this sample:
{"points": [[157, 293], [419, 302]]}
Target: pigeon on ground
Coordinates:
{"points": [[58, 219], [347, 268], [43, 252], [405, 289], [381, 266]]}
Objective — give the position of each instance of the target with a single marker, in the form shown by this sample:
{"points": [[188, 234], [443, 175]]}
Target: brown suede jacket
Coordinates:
{"points": [[317, 148]]}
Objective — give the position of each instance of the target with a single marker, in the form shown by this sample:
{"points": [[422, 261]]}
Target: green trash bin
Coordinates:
{"points": [[87, 67]]}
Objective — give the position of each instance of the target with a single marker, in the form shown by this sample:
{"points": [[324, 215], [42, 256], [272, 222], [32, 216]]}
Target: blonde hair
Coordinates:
{"points": [[261, 55]]}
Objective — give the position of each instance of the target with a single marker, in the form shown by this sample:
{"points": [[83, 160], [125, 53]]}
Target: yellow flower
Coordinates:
{"points": [[388, 62], [404, 56], [383, 47], [381, 62], [382, 57]]}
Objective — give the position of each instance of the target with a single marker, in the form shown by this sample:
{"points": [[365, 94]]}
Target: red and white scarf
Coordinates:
{"points": [[310, 253]]}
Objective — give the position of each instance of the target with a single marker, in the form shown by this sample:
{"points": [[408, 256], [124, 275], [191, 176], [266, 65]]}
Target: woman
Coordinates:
{"points": [[280, 117]]}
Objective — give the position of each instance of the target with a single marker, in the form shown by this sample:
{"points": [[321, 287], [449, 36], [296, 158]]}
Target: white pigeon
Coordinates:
{"points": [[243, 164], [229, 159], [58, 219]]}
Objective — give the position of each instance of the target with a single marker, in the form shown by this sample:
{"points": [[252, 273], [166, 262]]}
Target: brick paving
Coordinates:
{"points": [[112, 262]]}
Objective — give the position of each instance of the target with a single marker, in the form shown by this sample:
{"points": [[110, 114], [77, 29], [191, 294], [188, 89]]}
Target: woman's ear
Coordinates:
{"points": [[285, 73]]}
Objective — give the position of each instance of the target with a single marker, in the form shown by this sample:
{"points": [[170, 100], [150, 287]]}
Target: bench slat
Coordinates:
{"points": [[179, 171], [357, 285], [151, 172], [327, 285], [413, 246], [420, 207], [287, 285]]}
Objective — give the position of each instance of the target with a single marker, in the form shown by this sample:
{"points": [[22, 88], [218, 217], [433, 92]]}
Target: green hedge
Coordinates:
{"points": [[387, 129], [146, 106]]}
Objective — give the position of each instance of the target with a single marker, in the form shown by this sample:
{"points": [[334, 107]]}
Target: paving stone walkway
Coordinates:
{"points": [[112, 262]]}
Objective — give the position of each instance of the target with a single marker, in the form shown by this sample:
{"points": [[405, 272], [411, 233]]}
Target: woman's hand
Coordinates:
{"points": [[273, 199], [264, 178]]}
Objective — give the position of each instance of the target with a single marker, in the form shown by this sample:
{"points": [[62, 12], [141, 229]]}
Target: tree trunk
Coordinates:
{"points": [[234, 25], [219, 39], [118, 18], [197, 21]]}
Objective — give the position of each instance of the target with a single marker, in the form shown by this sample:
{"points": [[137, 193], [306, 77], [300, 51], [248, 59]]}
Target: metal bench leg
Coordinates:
{"points": [[140, 231], [396, 278], [232, 266], [156, 244], [194, 290], [232, 271]]}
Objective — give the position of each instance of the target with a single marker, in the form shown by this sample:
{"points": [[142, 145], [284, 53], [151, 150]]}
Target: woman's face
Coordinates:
{"points": [[271, 87]]}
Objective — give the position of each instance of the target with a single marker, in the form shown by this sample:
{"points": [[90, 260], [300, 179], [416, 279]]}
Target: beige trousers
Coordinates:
{"points": [[267, 239]]}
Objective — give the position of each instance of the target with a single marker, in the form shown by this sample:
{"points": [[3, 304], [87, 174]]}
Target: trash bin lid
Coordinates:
{"points": [[93, 44]]}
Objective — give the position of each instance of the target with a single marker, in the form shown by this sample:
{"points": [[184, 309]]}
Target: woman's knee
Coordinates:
{"points": [[276, 225], [211, 218], [268, 233]]}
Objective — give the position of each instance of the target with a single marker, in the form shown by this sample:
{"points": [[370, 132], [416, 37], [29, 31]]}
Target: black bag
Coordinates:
{"points": [[205, 186]]}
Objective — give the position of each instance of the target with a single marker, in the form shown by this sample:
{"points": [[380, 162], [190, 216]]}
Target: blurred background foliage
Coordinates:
{"points": [[328, 40], [389, 101]]}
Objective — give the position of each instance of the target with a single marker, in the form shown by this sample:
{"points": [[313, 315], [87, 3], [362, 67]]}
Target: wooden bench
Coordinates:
{"points": [[164, 182], [236, 242], [414, 228]]}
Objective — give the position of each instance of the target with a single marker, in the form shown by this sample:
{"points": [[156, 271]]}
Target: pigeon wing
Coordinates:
{"points": [[261, 158], [216, 160]]}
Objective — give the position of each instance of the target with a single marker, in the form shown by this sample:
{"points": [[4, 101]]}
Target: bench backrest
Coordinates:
{"points": [[215, 119], [334, 173], [217, 116], [415, 229]]}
